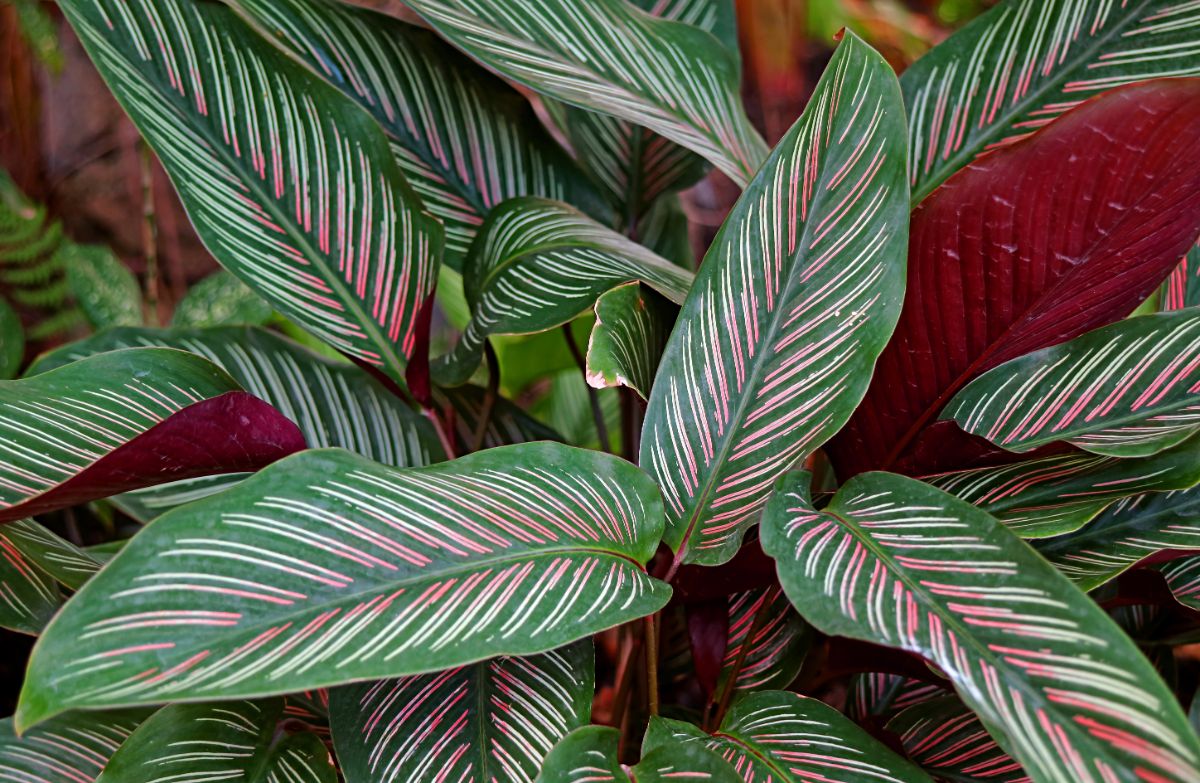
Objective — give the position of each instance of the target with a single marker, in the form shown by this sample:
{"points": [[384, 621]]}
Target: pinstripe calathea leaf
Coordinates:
{"points": [[785, 737], [949, 741], [219, 741], [124, 420], [1182, 288], [1025, 62], [464, 139], [900, 563], [589, 755], [880, 694], [328, 568], [334, 404], [795, 299], [635, 166], [1128, 531], [1127, 389], [1183, 577], [631, 330], [33, 563], [612, 57], [537, 264], [493, 720], [778, 640], [1059, 494], [70, 748], [290, 184]]}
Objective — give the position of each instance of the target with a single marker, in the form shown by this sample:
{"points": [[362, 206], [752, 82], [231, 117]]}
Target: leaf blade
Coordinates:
{"points": [[1056, 682], [773, 344], [423, 568]]}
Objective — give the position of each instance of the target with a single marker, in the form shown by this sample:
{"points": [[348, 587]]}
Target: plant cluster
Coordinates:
{"points": [[890, 486]]}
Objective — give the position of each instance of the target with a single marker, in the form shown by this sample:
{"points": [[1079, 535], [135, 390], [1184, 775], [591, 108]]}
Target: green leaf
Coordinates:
{"points": [[493, 720], [1183, 577], [776, 650], [635, 167], [897, 562], [1128, 389], [12, 341], [290, 184], [1126, 532], [464, 139], [589, 755], [1182, 288], [219, 741], [882, 695], [632, 326], [1059, 494], [611, 57], [538, 264], [72, 747], [1024, 63], [28, 596], [127, 419], [105, 289], [507, 425], [794, 301], [327, 568], [781, 736], [333, 403], [56, 557], [948, 740], [218, 300]]}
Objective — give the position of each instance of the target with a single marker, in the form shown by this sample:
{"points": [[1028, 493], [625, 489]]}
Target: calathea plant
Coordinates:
{"points": [[880, 465]]}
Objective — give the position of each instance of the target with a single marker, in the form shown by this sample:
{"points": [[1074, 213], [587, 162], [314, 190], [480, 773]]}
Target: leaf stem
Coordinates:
{"points": [[489, 397], [149, 233], [652, 662], [593, 398]]}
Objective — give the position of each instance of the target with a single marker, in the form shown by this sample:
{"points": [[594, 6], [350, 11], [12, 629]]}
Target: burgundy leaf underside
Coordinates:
{"points": [[1029, 246], [708, 632], [232, 433]]}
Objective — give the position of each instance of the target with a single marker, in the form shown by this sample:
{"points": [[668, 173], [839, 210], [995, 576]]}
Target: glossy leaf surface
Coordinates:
{"points": [[494, 720], [28, 595], [896, 562], [328, 568], [219, 741], [1127, 389], [947, 740], [538, 264], [1127, 531], [609, 56], [289, 184], [72, 747], [464, 139], [781, 736], [795, 299], [58, 558], [632, 326], [1024, 63], [1007, 257], [105, 289], [589, 755], [128, 419], [1059, 494]]}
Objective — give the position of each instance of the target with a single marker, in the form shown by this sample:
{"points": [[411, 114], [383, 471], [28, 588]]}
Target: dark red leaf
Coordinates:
{"points": [[1029, 246], [708, 631], [231, 433]]}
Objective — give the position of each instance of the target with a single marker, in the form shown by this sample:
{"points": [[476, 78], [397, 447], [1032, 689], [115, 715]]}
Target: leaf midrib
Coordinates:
{"points": [[220, 149], [967, 153], [951, 621]]}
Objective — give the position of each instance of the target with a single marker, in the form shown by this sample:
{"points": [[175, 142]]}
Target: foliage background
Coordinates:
{"points": [[67, 144]]}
